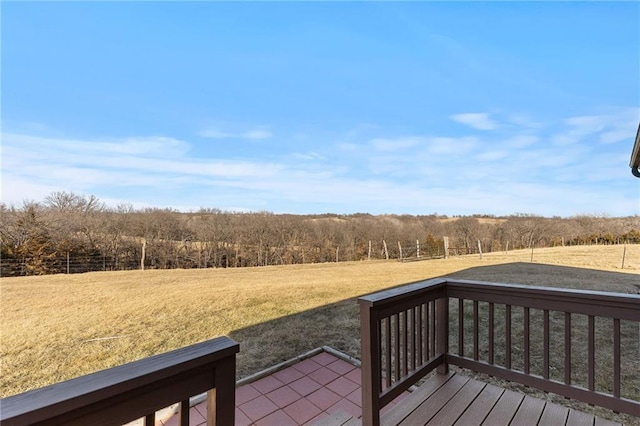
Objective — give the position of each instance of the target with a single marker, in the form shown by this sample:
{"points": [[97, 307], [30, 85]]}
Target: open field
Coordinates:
{"points": [[61, 326]]}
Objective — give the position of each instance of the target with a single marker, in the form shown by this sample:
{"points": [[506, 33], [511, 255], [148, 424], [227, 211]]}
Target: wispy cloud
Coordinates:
{"points": [[450, 145], [396, 144], [252, 134], [308, 156], [257, 134], [476, 120], [502, 172], [521, 141], [580, 127], [609, 127], [523, 121], [34, 166]]}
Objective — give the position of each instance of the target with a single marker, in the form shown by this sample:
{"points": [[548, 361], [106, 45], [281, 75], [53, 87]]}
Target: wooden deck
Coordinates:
{"points": [[454, 399]]}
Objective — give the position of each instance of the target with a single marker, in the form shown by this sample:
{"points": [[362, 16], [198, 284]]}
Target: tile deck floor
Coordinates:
{"points": [[302, 394]]}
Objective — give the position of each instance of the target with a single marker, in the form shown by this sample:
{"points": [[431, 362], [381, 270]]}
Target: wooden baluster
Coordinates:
{"points": [[442, 343], [408, 332], [491, 326], [476, 351], [616, 357], [526, 341], [567, 348], [381, 348], [507, 336], [591, 357], [387, 349], [416, 355], [405, 343], [461, 327], [545, 344], [421, 327], [396, 361], [432, 331]]}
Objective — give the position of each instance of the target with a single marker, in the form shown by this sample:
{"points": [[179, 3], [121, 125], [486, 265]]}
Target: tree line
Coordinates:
{"points": [[68, 232]]}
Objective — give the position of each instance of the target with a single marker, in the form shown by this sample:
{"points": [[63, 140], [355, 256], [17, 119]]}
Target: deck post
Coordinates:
{"points": [[442, 331], [221, 400], [370, 344]]}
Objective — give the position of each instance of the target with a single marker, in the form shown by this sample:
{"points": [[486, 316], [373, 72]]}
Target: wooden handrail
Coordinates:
{"points": [[135, 390], [405, 335], [587, 302]]}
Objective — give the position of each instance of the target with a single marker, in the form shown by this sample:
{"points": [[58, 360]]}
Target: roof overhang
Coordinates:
{"points": [[635, 155]]}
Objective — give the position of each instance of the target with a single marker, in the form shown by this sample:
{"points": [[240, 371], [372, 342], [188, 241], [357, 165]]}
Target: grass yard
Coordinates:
{"points": [[62, 326]]}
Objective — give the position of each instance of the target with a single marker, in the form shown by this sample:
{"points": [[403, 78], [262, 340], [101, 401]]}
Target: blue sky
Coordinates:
{"points": [[377, 107]]}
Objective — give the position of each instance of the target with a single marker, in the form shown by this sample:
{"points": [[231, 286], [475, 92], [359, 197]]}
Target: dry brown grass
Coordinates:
{"points": [[50, 324]]}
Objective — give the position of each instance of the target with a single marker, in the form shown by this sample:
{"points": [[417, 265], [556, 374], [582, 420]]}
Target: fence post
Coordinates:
{"points": [[445, 241], [531, 253], [144, 248]]}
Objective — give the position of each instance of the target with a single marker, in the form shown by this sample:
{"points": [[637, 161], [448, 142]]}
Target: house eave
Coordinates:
{"points": [[635, 155]]}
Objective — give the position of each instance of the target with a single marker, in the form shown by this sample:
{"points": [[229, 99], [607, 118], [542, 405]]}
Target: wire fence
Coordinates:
{"points": [[167, 257]]}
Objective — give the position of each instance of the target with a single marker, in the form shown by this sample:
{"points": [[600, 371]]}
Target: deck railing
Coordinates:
{"points": [[583, 345], [136, 390]]}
